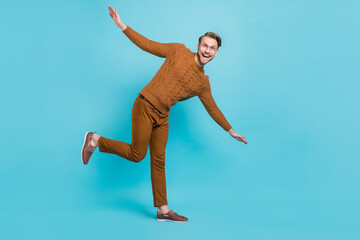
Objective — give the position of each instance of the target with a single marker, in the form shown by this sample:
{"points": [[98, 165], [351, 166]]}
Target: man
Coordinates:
{"points": [[180, 77]]}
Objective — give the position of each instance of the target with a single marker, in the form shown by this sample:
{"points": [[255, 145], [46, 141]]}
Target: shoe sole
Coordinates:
{"points": [[168, 220], [82, 149]]}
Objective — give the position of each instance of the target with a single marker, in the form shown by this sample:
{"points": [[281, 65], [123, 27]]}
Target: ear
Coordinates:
{"points": [[197, 48], [216, 52]]}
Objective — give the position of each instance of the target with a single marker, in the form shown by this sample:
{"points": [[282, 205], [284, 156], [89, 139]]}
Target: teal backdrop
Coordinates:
{"points": [[286, 77]]}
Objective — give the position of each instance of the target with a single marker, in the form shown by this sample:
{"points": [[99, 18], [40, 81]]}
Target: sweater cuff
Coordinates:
{"points": [[228, 128], [126, 29]]}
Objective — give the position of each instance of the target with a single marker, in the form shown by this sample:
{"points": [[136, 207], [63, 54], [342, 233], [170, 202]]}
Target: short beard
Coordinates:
{"points": [[199, 56]]}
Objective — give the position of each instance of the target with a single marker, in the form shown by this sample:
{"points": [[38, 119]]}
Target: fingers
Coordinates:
{"points": [[111, 9], [242, 140], [112, 13]]}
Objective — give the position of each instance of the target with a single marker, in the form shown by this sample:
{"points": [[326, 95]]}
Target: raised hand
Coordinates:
{"points": [[115, 16], [237, 136]]}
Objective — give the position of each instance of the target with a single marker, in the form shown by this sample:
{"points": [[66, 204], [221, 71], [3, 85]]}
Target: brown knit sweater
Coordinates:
{"points": [[178, 79]]}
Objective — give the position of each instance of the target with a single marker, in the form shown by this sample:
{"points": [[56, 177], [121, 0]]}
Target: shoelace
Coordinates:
{"points": [[170, 211]]}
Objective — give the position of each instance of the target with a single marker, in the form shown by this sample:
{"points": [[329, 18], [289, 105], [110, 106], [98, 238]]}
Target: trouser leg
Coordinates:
{"points": [[158, 140], [149, 127], [142, 125]]}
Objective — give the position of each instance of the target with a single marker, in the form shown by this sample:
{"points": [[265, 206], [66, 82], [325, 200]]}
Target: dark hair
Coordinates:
{"points": [[212, 35]]}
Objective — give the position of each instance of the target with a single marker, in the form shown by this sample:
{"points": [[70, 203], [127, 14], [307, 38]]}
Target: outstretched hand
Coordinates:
{"points": [[237, 136], [115, 16]]}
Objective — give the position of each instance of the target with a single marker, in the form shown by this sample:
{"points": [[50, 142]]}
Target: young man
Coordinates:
{"points": [[180, 77]]}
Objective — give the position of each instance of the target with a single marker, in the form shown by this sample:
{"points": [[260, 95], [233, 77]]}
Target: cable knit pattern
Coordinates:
{"points": [[178, 79]]}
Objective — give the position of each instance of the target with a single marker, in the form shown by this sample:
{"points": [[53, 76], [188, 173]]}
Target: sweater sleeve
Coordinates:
{"points": [[208, 101], [155, 48]]}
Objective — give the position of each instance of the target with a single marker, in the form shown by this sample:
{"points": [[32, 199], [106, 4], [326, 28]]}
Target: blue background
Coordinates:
{"points": [[286, 77]]}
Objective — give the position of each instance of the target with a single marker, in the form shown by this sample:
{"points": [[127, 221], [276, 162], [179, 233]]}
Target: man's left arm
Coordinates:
{"points": [[208, 101]]}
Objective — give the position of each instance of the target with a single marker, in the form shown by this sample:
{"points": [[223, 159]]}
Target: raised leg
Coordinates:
{"points": [[142, 126]]}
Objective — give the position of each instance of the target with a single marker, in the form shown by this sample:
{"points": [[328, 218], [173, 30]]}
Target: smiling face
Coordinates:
{"points": [[207, 50]]}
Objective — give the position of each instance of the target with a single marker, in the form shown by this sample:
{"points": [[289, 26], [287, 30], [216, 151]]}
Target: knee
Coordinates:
{"points": [[158, 156], [158, 161], [138, 157]]}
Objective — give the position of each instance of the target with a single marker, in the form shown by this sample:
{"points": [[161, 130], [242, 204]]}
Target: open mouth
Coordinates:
{"points": [[205, 56]]}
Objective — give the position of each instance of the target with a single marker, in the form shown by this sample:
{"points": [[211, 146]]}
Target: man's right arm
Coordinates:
{"points": [[156, 48]]}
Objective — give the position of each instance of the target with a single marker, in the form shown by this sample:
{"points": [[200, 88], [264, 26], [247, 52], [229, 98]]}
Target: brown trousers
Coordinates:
{"points": [[149, 128]]}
